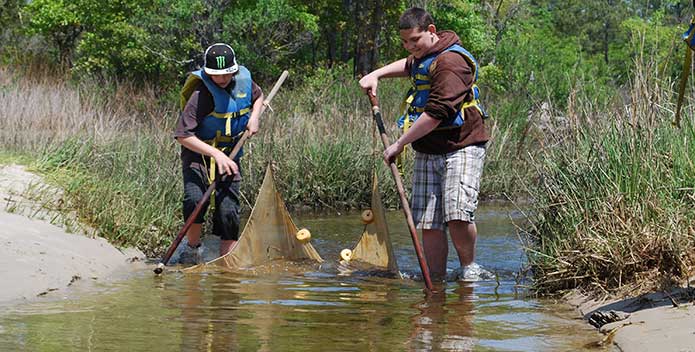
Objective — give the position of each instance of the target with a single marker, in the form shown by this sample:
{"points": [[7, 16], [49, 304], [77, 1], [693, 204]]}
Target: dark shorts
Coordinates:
{"points": [[225, 220]]}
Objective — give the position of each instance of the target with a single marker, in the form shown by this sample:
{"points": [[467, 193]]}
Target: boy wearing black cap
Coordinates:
{"points": [[223, 103]]}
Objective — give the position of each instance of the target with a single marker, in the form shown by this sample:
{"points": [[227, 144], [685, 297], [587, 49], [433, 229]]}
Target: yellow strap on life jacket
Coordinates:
{"points": [[223, 139], [469, 104], [405, 107], [406, 102], [474, 103], [212, 173], [219, 138], [230, 115], [421, 77], [406, 124]]}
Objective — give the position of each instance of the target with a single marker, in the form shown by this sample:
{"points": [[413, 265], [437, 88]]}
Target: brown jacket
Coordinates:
{"points": [[451, 79]]}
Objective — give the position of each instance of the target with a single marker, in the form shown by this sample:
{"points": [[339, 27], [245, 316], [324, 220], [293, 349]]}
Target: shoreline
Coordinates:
{"points": [[657, 321], [40, 260]]}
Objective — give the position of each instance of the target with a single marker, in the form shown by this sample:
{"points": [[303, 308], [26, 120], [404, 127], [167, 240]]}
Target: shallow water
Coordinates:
{"points": [[287, 310]]}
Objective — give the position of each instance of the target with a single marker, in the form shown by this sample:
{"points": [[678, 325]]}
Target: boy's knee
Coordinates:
{"points": [[229, 229]]}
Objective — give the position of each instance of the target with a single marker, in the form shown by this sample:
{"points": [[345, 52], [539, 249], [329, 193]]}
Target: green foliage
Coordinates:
{"points": [[161, 40], [57, 20], [609, 212], [9, 13], [114, 49], [492, 77], [127, 42], [52, 17], [143, 41], [463, 17], [268, 34], [537, 60], [116, 188], [654, 39], [10, 29], [595, 23]]}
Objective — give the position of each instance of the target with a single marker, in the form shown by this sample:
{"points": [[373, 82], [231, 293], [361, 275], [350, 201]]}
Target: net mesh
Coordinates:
{"points": [[374, 247], [269, 234]]}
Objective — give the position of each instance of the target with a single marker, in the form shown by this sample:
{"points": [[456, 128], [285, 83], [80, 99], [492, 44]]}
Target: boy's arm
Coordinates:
{"points": [[422, 126], [223, 162], [394, 69], [254, 123]]}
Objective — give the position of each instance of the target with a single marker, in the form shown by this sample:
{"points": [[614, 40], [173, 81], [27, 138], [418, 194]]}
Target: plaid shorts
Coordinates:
{"points": [[445, 186]]}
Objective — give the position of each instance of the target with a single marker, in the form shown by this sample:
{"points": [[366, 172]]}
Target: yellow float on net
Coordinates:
{"points": [[367, 216], [346, 254], [303, 235]]}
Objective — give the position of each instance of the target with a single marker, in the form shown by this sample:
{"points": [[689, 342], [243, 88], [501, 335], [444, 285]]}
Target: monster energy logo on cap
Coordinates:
{"points": [[220, 60]]}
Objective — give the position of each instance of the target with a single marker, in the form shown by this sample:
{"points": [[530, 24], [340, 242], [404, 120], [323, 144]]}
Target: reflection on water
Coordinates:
{"points": [[306, 310], [442, 325]]}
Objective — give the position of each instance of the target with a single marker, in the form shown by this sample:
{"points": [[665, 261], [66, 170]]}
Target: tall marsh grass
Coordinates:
{"points": [[116, 167], [615, 195]]}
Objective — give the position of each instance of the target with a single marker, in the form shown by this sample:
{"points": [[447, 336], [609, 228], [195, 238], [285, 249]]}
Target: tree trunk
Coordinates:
{"points": [[331, 47], [606, 28], [368, 15], [347, 33]]}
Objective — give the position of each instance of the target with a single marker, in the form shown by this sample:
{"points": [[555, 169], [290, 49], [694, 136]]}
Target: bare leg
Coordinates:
{"points": [[226, 246], [193, 235], [436, 248], [463, 235]]}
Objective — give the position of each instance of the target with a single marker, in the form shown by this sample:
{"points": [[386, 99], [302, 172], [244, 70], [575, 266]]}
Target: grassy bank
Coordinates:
{"points": [[615, 195]]}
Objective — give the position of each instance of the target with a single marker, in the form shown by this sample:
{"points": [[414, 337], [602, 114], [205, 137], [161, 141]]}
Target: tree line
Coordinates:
{"points": [[516, 41]]}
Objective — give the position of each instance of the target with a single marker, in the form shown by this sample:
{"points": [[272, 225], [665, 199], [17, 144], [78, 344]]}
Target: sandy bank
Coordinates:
{"points": [[660, 321], [37, 257]]}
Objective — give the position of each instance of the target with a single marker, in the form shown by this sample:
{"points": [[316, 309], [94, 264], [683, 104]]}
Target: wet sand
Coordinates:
{"points": [[659, 321], [38, 258]]}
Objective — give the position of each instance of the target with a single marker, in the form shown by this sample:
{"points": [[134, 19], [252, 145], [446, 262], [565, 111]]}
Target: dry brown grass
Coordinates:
{"points": [[616, 198]]}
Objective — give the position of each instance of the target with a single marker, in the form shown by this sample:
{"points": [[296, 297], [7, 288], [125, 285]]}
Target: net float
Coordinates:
{"points": [[367, 216], [346, 254], [303, 235]]}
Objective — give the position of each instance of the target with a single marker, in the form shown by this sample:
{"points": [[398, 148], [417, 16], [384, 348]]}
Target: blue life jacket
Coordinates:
{"points": [[225, 125], [416, 99]]}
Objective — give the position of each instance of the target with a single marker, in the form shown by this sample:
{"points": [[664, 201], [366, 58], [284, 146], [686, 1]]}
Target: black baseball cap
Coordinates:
{"points": [[220, 60]]}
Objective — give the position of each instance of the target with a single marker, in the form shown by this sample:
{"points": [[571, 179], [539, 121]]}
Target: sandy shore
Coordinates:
{"points": [[660, 321], [37, 257]]}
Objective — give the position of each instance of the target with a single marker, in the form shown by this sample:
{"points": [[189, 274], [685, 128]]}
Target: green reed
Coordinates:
{"points": [[615, 196]]}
